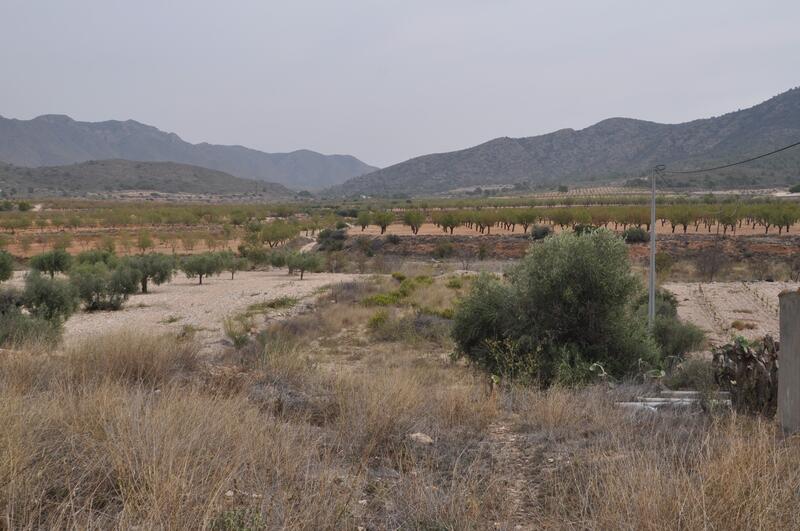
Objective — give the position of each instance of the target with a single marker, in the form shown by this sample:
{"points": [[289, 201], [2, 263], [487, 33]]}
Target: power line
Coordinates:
{"points": [[732, 164]]}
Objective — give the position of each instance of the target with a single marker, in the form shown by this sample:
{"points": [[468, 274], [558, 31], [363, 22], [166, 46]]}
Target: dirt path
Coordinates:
{"points": [[520, 463]]}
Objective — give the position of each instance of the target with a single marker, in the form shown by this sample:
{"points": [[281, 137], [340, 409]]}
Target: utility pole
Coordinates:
{"points": [[651, 299]]}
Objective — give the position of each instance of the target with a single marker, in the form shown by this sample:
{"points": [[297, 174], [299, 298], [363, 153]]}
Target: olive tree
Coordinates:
{"points": [[154, 267], [51, 262], [569, 304], [202, 265], [303, 262], [364, 219], [104, 288], [233, 263], [51, 299]]}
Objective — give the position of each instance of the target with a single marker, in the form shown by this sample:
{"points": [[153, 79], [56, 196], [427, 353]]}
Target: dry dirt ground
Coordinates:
{"points": [[715, 306], [171, 307]]}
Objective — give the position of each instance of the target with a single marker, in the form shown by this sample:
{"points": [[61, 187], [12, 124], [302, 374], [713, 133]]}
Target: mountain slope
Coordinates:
{"points": [[613, 148], [56, 140], [100, 176]]}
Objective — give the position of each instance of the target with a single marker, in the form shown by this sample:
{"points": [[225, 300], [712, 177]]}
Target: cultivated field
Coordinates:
{"points": [[725, 310]]}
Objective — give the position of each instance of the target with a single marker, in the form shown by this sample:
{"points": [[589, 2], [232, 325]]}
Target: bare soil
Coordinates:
{"points": [[184, 305], [716, 306]]}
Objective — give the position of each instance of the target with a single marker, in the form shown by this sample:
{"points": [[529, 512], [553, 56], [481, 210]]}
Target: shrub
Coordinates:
{"points": [[454, 283], [51, 262], [6, 265], [237, 328], [17, 330], [570, 303], [277, 260], [794, 189], [378, 320], [202, 265], [331, 240], [398, 276], [49, 299], [582, 229], [540, 232], [101, 288], [443, 250], [635, 235], [674, 337]]}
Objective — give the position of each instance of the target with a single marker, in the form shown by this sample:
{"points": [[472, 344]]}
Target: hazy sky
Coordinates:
{"points": [[388, 80]]}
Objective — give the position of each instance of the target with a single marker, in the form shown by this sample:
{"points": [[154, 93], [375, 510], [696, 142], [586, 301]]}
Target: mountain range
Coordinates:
{"points": [[55, 140], [615, 148], [106, 176]]}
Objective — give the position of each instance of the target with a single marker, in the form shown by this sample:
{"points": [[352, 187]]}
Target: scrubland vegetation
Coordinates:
{"points": [[416, 397]]}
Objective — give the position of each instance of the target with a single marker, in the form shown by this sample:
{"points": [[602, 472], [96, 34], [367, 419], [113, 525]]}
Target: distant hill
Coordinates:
{"points": [[611, 149], [99, 176], [52, 140]]}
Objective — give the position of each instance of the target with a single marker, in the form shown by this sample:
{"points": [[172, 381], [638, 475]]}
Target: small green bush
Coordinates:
{"points": [[444, 250], [398, 276], [332, 240], [636, 235], [237, 328], [383, 299], [454, 283], [540, 232]]}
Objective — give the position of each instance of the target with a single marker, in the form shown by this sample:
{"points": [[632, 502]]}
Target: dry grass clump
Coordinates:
{"points": [[133, 357], [129, 431], [669, 471], [116, 456]]}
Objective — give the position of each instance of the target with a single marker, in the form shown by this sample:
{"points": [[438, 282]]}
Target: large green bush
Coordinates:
{"points": [[49, 299], [570, 303], [102, 288]]}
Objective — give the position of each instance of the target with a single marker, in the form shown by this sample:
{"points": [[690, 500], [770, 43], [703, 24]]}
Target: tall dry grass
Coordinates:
{"points": [[686, 470], [130, 431]]}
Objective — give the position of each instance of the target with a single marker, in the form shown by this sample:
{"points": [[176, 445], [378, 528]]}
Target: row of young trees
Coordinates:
{"points": [[724, 218]]}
